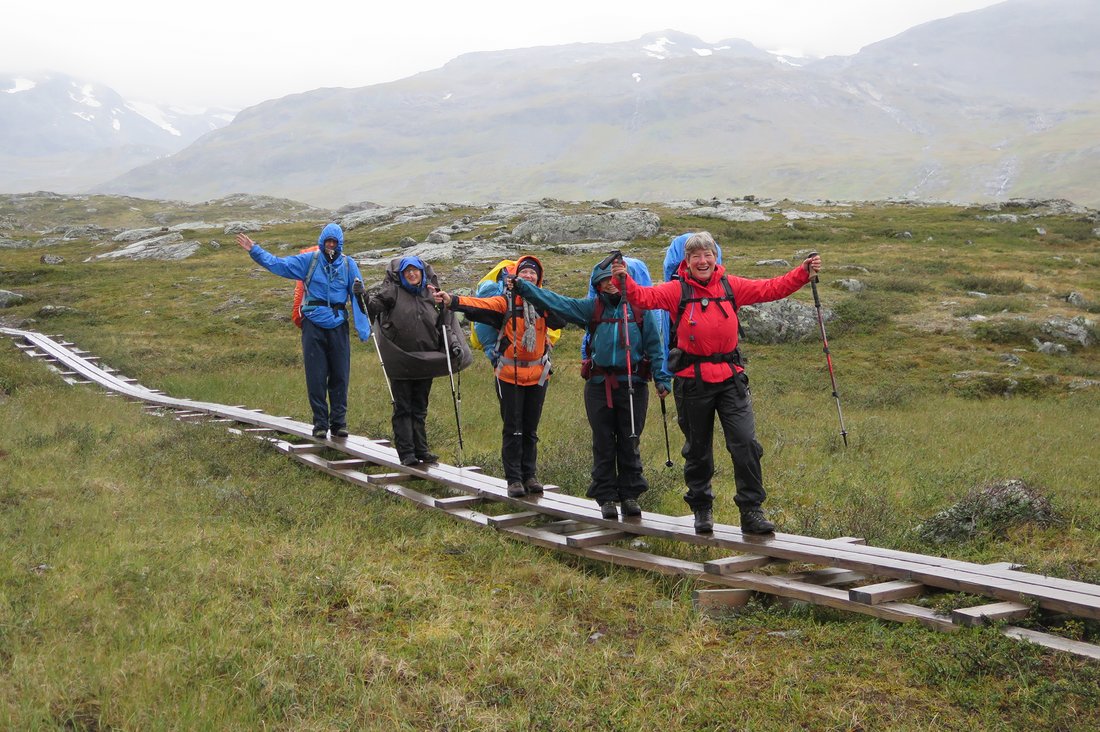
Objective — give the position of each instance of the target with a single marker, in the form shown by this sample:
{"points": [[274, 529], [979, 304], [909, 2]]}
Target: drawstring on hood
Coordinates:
{"points": [[331, 231]]}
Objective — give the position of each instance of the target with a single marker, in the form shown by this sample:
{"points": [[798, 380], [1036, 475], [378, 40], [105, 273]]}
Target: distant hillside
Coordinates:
{"points": [[988, 105], [64, 134]]}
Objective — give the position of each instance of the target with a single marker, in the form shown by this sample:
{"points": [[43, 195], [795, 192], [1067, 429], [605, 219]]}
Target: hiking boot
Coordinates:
{"points": [[631, 508], [428, 457], [754, 521], [320, 433], [609, 510], [704, 521], [516, 490], [340, 432], [533, 486], [409, 461]]}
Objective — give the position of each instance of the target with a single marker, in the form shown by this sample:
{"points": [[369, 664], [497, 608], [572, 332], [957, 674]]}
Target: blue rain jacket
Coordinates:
{"points": [[330, 284]]}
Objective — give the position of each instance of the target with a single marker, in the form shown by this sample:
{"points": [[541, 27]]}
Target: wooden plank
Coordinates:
{"points": [[257, 430], [985, 614], [596, 537], [459, 502], [739, 563], [1004, 565], [886, 592], [826, 577], [1080, 648], [717, 602], [302, 448], [566, 526], [508, 520], [849, 540], [380, 478], [348, 464]]}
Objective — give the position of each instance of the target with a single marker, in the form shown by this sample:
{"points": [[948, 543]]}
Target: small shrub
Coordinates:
{"points": [[1008, 332], [990, 511], [992, 305], [992, 285], [911, 285]]}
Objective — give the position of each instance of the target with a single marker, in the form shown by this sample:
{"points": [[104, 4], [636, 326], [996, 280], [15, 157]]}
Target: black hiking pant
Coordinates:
{"points": [[410, 410], [520, 411], [326, 353], [697, 403], [616, 461]]}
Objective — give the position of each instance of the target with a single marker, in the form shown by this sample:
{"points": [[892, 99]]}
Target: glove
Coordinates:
{"points": [[456, 352], [357, 288]]}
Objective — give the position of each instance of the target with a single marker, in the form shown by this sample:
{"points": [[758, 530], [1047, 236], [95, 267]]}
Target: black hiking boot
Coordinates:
{"points": [[704, 521], [754, 521], [428, 457], [516, 490], [533, 486], [609, 510], [409, 461], [320, 433], [631, 508], [340, 432]]}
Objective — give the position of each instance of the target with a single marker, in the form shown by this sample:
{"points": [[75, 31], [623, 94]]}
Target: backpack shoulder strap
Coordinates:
{"points": [[312, 268]]}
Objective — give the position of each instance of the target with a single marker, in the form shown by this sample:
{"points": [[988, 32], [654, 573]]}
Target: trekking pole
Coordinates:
{"points": [[828, 357], [664, 421], [374, 334], [456, 397], [618, 255]]}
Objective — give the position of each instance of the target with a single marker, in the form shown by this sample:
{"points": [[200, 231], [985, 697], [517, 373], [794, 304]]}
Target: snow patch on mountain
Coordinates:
{"points": [[21, 85], [154, 114]]}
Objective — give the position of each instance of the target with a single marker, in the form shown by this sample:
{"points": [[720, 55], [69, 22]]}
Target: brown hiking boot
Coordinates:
{"points": [[516, 490], [631, 508], [533, 486]]}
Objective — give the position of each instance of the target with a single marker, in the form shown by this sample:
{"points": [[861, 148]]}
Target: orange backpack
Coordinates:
{"points": [[299, 294]]}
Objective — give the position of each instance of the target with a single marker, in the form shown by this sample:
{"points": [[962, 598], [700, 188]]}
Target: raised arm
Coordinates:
{"points": [[569, 309]]}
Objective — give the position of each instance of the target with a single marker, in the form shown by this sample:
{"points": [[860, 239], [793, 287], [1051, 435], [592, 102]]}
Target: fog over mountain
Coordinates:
{"points": [[65, 134], [992, 104]]}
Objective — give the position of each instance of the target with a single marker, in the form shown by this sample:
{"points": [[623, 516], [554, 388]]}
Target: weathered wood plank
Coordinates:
{"points": [[459, 502], [595, 537], [985, 614], [739, 563], [508, 520], [886, 592], [826, 577]]}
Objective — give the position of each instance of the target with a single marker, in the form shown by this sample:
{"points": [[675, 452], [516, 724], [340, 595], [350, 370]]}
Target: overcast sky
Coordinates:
{"points": [[224, 53]]}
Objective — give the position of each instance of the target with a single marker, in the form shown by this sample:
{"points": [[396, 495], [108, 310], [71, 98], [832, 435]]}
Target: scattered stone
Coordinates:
{"points": [[850, 285], [989, 510], [16, 243], [1040, 231], [613, 203], [438, 237], [773, 263], [1079, 384], [979, 295], [1076, 299], [51, 259], [168, 247], [854, 268], [9, 298], [139, 234], [730, 213], [1001, 218], [241, 227], [1077, 330], [50, 311], [794, 215], [556, 228], [1010, 358], [782, 321], [406, 242], [904, 235], [1050, 348]]}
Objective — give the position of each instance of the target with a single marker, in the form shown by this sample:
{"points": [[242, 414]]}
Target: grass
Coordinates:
{"points": [[162, 575]]}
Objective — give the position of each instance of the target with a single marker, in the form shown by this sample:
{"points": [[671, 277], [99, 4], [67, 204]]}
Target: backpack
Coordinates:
{"points": [[642, 370], [485, 336], [300, 290], [639, 272]]}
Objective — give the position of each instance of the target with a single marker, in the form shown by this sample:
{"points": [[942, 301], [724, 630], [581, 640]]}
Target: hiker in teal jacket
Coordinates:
{"points": [[330, 277], [616, 462]]}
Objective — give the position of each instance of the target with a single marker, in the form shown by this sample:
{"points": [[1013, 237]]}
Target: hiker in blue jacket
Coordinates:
{"points": [[330, 277], [616, 461]]}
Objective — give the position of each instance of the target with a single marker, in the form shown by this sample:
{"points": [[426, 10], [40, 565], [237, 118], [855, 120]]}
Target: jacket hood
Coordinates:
{"points": [[529, 258], [332, 231], [674, 255], [412, 262]]}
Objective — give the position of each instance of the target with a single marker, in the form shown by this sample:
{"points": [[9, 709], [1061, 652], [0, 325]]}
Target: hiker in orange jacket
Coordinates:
{"points": [[522, 371]]}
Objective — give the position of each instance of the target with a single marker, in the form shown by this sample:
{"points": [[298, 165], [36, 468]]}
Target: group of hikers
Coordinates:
{"points": [[681, 335]]}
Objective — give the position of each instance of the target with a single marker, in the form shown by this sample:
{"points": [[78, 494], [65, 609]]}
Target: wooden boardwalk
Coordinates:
{"points": [[846, 573]]}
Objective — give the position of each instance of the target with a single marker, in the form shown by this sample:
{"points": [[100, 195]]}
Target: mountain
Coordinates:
{"points": [[65, 134], [996, 103]]}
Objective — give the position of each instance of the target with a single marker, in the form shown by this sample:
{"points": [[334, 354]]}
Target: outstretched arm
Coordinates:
{"points": [[569, 309]]}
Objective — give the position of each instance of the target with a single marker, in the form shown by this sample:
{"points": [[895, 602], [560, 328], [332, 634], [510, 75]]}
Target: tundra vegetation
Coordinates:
{"points": [[158, 574]]}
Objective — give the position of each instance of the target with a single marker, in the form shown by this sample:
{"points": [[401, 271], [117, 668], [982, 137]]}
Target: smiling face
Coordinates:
{"points": [[529, 274], [412, 275], [608, 286], [701, 263]]}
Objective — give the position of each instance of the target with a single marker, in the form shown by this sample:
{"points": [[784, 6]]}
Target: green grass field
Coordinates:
{"points": [[159, 575]]}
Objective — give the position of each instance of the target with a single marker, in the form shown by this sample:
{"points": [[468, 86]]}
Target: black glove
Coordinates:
{"points": [[357, 288], [374, 308], [456, 352]]}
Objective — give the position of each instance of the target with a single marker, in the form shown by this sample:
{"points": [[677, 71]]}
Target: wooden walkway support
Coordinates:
{"points": [[847, 574]]}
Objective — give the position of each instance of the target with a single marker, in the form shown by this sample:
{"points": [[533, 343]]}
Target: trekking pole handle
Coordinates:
{"points": [[611, 257], [813, 282]]}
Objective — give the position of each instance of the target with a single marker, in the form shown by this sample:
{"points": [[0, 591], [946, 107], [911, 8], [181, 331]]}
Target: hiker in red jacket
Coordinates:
{"points": [[709, 376]]}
